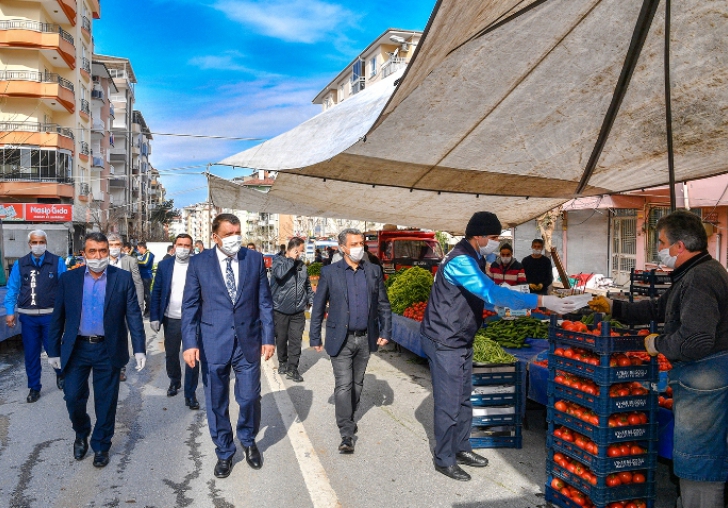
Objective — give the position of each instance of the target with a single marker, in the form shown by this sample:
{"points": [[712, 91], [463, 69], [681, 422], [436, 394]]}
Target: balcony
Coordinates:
{"points": [[97, 95], [97, 162], [393, 65], [117, 183], [52, 40], [84, 151], [95, 8], [69, 8], [98, 196], [84, 192], [55, 91], [86, 28], [85, 110], [98, 127], [37, 134], [86, 68], [111, 111]]}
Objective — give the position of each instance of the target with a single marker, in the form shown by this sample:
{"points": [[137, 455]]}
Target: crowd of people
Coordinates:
{"points": [[220, 309]]}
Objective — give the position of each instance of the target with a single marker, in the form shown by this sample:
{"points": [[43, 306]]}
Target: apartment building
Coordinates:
{"points": [[197, 220], [45, 114], [141, 148], [388, 53]]}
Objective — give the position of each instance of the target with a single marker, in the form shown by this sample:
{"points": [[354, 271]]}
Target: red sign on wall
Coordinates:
{"points": [[36, 212]]}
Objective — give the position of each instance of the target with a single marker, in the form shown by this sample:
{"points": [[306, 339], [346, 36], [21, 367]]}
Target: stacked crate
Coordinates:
{"points": [[498, 406], [602, 442], [649, 283]]}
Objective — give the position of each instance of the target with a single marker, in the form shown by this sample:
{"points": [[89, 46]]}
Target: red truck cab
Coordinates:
{"points": [[405, 248]]}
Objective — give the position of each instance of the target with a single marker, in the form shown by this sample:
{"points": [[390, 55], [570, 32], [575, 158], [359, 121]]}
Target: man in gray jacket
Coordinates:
{"points": [[292, 293], [120, 260]]}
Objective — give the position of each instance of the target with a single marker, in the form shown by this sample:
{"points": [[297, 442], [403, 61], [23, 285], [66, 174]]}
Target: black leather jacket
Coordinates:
{"points": [[290, 285]]}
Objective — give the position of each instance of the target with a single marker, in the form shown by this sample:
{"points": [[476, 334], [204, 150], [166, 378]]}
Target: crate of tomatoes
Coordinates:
{"points": [[600, 337], [602, 459], [604, 369], [560, 493], [602, 429], [601, 399]]}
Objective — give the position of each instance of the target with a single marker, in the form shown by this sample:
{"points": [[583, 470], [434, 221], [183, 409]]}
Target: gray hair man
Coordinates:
{"points": [[32, 288], [359, 321], [695, 340], [120, 260]]}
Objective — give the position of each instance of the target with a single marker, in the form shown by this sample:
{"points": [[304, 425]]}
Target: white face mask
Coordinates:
{"points": [[182, 253], [231, 244], [97, 265], [38, 249], [114, 252], [666, 259], [488, 248], [506, 260], [536, 252], [356, 254]]}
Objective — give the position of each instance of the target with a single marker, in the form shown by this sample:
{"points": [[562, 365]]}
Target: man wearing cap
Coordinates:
{"points": [[32, 287], [453, 315]]}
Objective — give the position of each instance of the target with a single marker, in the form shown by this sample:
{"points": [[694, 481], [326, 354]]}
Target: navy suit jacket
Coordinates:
{"points": [[162, 289], [121, 309], [211, 322], [332, 288]]}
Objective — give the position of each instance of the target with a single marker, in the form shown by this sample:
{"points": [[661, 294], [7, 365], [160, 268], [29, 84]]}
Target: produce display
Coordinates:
{"points": [[613, 480], [592, 418], [588, 357], [580, 499], [582, 327], [662, 361], [411, 286], [666, 400], [488, 313], [314, 269], [580, 441], [513, 332], [486, 350], [416, 311], [391, 279]]}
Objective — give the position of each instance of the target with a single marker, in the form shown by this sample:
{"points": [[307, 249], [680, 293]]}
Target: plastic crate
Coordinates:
{"points": [[603, 434], [514, 440], [604, 374], [603, 343], [600, 493], [509, 419], [497, 399], [603, 404], [560, 500], [601, 463], [506, 374]]}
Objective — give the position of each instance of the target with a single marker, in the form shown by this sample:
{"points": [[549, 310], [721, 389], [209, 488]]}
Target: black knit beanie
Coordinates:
{"points": [[483, 224]]}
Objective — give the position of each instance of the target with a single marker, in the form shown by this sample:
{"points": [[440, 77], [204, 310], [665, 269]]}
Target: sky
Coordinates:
{"points": [[236, 68]]}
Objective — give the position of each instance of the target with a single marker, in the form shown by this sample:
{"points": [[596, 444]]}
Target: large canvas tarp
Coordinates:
{"points": [[501, 108]]}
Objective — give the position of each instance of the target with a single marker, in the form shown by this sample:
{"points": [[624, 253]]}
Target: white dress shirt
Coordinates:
{"points": [[179, 274], [222, 259]]}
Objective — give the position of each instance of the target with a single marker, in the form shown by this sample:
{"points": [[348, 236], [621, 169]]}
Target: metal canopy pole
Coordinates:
{"points": [[668, 110], [639, 35]]}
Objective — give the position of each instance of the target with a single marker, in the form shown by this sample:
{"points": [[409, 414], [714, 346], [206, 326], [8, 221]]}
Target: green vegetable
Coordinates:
{"points": [[390, 280], [412, 286], [489, 351], [513, 333], [314, 269]]}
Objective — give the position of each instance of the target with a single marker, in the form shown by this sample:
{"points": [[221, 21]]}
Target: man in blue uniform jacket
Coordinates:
{"points": [[88, 333], [227, 323]]}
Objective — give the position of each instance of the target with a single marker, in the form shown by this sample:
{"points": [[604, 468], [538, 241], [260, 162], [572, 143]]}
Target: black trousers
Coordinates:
{"points": [[349, 368], [172, 346], [147, 283], [289, 332]]}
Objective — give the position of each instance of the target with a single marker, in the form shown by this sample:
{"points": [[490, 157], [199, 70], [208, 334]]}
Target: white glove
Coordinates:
{"points": [[560, 305], [156, 325], [141, 361], [55, 362]]}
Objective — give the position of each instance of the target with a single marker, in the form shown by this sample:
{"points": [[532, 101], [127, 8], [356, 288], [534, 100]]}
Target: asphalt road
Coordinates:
{"points": [[162, 455]]}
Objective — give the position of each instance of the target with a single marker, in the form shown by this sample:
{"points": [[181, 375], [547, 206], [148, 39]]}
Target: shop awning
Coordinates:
{"points": [[516, 107]]}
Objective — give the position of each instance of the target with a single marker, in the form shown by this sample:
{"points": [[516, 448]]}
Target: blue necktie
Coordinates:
{"points": [[230, 279]]}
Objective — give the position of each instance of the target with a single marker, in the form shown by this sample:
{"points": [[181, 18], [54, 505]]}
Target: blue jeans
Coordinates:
{"points": [[452, 384], [85, 358], [35, 339], [700, 392]]}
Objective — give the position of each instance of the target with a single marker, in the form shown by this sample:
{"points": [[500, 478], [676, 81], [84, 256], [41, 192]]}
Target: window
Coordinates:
{"points": [[373, 67], [655, 215], [35, 164]]}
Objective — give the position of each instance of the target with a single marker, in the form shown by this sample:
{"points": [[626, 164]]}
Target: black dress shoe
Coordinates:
{"points": [[80, 447], [294, 375], [471, 459], [282, 369], [455, 472], [122, 374], [253, 456], [173, 389], [33, 396], [223, 468], [60, 382], [101, 459], [347, 445], [192, 403]]}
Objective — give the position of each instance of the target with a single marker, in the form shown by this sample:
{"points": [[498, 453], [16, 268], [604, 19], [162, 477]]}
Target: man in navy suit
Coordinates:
{"points": [[166, 309], [359, 320], [227, 323], [88, 331]]}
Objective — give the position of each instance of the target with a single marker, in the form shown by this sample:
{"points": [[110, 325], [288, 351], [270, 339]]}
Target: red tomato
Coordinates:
{"points": [[560, 406], [557, 457], [613, 451], [643, 332], [559, 351], [557, 484], [636, 450], [638, 478], [568, 353], [557, 433], [630, 505], [623, 361], [668, 404], [625, 477], [634, 419], [623, 450], [613, 481]]}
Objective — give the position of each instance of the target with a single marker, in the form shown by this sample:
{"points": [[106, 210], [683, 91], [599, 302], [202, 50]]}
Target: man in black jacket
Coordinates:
{"points": [[359, 321], [292, 293]]}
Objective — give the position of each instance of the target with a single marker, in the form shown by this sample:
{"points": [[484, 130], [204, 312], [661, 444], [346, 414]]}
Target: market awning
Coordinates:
{"points": [[516, 107]]}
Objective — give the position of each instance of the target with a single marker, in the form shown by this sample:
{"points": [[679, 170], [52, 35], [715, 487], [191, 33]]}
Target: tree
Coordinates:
{"points": [[442, 239], [160, 218], [547, 224]]}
